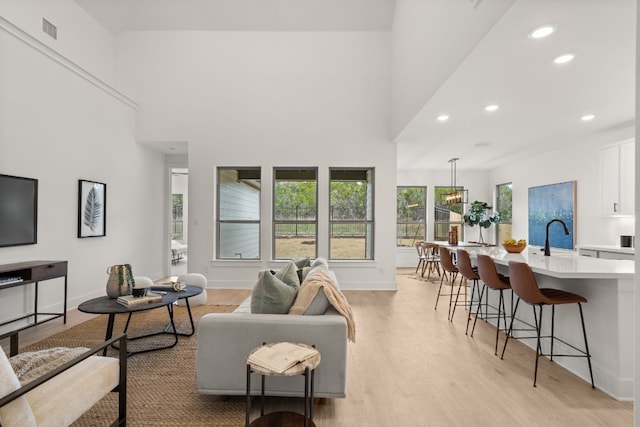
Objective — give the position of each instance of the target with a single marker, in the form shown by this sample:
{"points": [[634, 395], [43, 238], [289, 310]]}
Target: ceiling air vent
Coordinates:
{"points": [[50, 29]]}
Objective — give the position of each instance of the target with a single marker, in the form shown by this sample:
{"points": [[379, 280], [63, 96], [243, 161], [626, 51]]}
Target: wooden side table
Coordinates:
{"points": [[283, 418]]}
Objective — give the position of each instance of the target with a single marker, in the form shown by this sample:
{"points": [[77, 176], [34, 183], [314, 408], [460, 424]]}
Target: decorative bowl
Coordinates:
{"points": [[514, 249], [138, 292]]}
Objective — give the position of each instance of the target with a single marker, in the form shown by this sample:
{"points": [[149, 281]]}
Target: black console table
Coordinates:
{"points": [[24, 273]]}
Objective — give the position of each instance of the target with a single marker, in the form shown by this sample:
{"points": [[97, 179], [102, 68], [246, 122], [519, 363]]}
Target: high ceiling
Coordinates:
{"points": [[540, 103]]}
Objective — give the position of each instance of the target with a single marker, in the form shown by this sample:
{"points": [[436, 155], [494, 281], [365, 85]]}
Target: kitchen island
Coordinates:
{"points": [[608, 286]]}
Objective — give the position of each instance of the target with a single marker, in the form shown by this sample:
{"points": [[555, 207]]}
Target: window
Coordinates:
{"points": [[503, 206], [447, 215], [411, 216], [177, 229], [238, 216], [351, 214], [295, 219]]}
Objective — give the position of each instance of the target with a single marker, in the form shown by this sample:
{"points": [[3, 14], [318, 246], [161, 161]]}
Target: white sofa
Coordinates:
{"points": [[225, 340]]}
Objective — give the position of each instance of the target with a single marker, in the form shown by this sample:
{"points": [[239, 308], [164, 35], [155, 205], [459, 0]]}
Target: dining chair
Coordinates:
{"points": [[432, 259], [524, 285], [421, 257]]}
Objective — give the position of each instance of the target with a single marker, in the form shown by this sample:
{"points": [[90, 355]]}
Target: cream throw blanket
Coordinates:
{"points": [[310, 288]]}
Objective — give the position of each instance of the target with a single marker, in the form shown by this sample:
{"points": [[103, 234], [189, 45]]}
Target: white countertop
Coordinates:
{"points": [[562, 263], [608, 248]]}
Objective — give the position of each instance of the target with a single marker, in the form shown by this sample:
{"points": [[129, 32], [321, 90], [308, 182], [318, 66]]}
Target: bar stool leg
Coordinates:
{"points": [[513, 316], [553, 322], [586, 346], [538, 344], [477, 311]]}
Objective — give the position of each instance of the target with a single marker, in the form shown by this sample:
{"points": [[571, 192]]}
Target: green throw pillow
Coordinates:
{"points": [[302, 262], [289, 275], [271, 295]]}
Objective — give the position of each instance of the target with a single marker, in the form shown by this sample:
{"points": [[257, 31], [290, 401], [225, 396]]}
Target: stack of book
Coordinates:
{"points": [[131, 301], [170, 286]]}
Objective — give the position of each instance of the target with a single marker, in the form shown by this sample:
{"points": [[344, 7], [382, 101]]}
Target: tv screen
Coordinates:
{"points": [[18, 211]]}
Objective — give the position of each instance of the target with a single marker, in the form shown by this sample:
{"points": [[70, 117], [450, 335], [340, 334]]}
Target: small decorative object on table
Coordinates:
{"points": [[120, 280], [513, 246]]}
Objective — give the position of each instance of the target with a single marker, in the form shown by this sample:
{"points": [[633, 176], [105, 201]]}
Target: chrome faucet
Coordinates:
{"points": [[547, 251]]}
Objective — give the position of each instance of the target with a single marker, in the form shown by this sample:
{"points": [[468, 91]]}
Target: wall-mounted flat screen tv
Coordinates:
{"points": [[18, 211]]}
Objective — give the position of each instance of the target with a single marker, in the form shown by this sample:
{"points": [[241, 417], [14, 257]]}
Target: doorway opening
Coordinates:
{"points": [[179, 220]]}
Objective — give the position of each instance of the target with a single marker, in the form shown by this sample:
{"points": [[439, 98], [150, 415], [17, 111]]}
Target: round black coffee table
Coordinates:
{"points": [[106, 305], [188, 292]]}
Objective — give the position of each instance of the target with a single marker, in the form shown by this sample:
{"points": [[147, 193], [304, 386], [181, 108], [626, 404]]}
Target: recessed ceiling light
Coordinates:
{"points": [[542, 32], [483, 144], [443, 118], [492, 107], [587, 117], [563, 59]]}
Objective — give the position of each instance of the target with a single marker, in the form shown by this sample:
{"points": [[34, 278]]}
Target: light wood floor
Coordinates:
{"points": [[411, 367]]}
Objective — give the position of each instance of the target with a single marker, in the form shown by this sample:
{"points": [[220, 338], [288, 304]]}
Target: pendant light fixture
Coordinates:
{"points": [[456, 194]]}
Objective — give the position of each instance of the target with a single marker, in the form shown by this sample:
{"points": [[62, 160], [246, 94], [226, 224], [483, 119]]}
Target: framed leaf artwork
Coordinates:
{"points": [[92, 208]]}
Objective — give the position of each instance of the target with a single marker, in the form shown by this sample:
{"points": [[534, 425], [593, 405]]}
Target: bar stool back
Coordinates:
{"points": [[524, 284], [496, 281]]}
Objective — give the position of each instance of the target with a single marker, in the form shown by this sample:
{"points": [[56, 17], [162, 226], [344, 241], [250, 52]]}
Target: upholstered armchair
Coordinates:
{"points": [[62, 395]]}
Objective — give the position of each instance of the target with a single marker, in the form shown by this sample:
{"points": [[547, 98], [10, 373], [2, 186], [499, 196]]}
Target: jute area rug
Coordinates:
{"points": [[161, 384]]}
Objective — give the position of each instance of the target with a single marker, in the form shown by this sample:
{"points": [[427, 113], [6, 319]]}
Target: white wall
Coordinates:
{"points": [[80, 38], [577, 162], [269, 99], [57, 124]]}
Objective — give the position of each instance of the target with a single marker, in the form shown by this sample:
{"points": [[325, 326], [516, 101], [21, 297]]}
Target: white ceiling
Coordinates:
{"points": [[540, 103]]}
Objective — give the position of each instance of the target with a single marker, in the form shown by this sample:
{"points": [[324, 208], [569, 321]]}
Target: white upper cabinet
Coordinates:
{"points": [[617, 175]]}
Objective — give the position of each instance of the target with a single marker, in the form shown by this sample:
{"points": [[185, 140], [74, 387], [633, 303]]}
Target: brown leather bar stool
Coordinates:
{"points": [[468, 272], [524, 284], [493, 280], [447, 267]]}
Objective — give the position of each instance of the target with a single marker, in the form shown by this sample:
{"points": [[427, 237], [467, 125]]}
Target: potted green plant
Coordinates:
{"points": [[478, 216]]}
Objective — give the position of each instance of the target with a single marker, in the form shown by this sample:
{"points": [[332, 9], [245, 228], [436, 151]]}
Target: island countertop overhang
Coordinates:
{"points": [[561, 264]]}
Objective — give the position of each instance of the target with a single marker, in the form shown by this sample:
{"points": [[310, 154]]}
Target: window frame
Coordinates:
{"points": [[221, 222], [423, 211], [275, 222], [370, 214], [506, 221], [437, 204]]}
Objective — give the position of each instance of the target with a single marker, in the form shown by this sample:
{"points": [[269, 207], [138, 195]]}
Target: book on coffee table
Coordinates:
{"points": [[131, 301], [281, 356]]}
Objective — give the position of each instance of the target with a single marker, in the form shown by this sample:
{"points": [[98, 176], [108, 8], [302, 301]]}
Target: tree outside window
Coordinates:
{"points": [[351, 214], [447, 216], [503, 206], [295, 219]]}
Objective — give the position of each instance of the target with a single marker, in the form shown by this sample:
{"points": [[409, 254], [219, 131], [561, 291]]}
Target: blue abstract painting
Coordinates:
{"points": [[548, 202]]}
